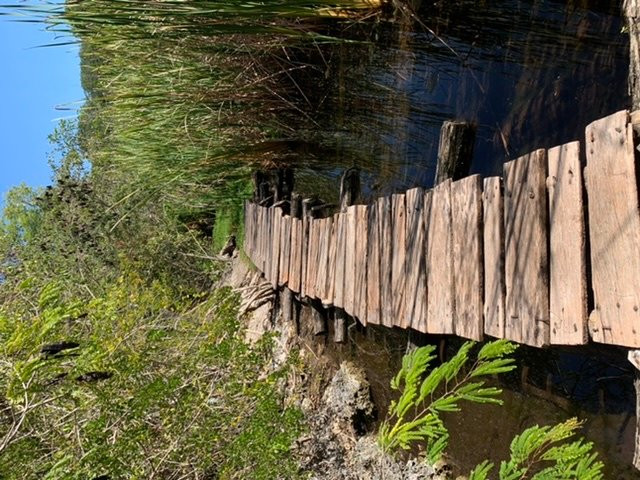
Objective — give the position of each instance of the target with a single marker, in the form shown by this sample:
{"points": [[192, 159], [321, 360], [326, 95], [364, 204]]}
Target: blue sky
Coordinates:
{"points": [[33, 82]]}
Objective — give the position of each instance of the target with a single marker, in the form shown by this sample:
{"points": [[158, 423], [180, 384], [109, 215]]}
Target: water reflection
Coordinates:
{"points": [[529, 73]]}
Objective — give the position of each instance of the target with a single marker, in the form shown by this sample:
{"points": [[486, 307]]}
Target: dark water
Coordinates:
{"points": [[530, 74]]}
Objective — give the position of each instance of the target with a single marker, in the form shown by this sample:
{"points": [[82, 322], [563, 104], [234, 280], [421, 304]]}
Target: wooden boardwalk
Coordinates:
{"points": [[510, 257]]}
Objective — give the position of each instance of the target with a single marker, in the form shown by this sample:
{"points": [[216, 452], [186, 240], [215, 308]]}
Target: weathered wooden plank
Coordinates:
{"points": [[526, 256], [398, 228], [614, 231], [466, 216], [260, 237], [350, 262], [339, 280], [362, 232], [276, 233], [306, 221], [269, 244], [421, 325], [440, 306], [312, 250], [247, 227], [373, 267], [327, 299], [494, 288], [386, 258], [323, 258], [415, 308], [285, 251], [567, 237], [254, 234], [296, 255], [313, 272], [264, 234], [318, 225]]}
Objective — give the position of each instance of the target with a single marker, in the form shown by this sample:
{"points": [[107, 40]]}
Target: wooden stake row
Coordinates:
{"points": [[505, 257]]}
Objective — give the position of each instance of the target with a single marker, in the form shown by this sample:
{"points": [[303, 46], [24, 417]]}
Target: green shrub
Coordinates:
{"points": [[156, 388], [538, 453], [541, 448], [415, 416]]}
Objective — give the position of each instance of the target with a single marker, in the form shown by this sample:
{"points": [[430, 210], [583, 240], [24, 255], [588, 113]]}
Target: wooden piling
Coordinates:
{"points": [[631, 9], [455, 150]]}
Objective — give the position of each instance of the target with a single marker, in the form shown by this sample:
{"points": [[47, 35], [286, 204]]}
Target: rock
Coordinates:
{"points": [[369, 462], [348, 396]]}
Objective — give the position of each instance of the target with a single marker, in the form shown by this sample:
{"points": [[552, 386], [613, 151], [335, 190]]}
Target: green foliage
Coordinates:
{"points": [[155, 388], [415, 416], [539, 453]]}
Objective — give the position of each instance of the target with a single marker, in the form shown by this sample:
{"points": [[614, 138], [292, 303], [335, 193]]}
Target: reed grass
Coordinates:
{"points": [[179, 92]]}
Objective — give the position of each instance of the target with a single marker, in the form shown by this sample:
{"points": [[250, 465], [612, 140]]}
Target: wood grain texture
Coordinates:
{"points": [[466, 215], [323, 258], [415, 307], [338, 288], [327, 299], [440, 306], [261, 238], [257, 243], [276, 234], [268, 252], [614, 231], [398, 229], [526, 256], [285, 251], [567, 237], [494, 288], [386, 258], [362, 232], [264, 238], [350, 262], [306, 220], [421, 326], [247, 228], [296, 255], [373, 267], [254, 241], [312, 257]]}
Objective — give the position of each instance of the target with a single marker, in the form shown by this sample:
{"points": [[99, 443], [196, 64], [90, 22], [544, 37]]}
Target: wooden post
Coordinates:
{"points": [[454, 161], [634, 358], [631, 10], [349, 193], [259, 178], [284, 184], [455, 150]]}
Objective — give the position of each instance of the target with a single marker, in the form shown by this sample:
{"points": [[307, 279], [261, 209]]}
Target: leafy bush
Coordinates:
{"points": [[415, 416], [538, 453], [541, 448], [138, 384]]}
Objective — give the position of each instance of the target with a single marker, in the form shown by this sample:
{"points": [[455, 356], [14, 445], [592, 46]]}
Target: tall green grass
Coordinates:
{"points": [[179, 92]]}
